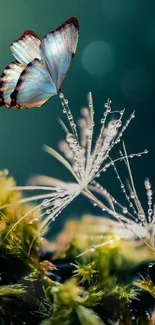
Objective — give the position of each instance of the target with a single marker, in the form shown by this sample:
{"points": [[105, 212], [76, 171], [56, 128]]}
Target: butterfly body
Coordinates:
{"points": [[41, 66]]}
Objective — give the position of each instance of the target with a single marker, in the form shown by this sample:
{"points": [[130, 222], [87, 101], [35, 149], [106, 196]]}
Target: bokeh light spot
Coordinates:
{"points": [[137, 84], [98, 58]]}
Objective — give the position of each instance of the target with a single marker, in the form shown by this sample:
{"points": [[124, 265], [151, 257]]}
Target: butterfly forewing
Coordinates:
{"points": [[26, 48], [58, 49]]}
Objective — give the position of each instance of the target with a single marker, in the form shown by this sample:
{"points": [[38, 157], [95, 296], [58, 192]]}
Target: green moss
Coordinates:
{"points": [[102, 286], [23, 241]]}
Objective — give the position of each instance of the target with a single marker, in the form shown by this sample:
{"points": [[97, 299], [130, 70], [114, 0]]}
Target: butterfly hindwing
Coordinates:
{"points": [[58, 48], [34, 86], [26, 48], [8, 81]]}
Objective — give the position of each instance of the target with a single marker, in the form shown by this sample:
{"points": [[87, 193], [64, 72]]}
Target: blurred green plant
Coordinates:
{"points": [[102, 286], [102, 277], [24, 240]]}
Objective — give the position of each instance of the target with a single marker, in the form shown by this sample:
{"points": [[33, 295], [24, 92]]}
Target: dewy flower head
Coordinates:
{"points": [[139, 220], [84, 157]]}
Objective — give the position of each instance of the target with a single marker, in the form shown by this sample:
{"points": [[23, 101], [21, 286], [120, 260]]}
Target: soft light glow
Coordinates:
{"points": [[98, 58]]}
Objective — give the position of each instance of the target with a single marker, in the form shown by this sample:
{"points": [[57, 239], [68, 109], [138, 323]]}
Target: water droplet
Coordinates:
{"points": [[45, 202], [140, 214], [61, 96], [147, 184], [118, 123], [48, 211], [132, 195], [125, 210], [149, 192], [66, 101], [70, 138], [146, 151], [92, 249], [57, 203], [30, 222]]}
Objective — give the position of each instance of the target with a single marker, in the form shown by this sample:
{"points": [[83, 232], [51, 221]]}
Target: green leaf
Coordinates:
{"points": [[12, 290], [87, 316], [146, 284], [32, 276]]}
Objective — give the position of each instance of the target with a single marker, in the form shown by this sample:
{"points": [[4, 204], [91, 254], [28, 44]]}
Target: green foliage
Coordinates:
{"points": [[20, 246], [11, 291], [8, 293], [90, 231], [86, 271], [23, 240], [147, 285], [88, 317], [69, 303], [101, 277]]}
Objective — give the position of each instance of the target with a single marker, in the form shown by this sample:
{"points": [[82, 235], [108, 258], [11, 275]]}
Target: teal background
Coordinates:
{"points": [[115, 59]]}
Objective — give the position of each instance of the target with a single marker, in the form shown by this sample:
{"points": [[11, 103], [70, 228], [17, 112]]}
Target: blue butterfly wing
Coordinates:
{"points": [[58, 48], [8, 82], [34, 86], [26, 48]]}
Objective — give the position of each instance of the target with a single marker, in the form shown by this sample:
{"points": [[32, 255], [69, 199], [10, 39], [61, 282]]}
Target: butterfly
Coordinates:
{"points": [[40, 68]]}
